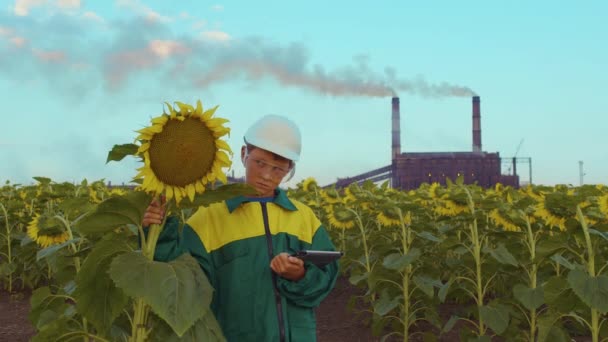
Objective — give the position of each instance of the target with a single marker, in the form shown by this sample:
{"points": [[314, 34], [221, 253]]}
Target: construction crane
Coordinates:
{"points": [[515, 156]]}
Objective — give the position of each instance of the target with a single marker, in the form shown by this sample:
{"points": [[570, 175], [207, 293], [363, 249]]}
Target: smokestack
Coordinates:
{"points": [[476, 124], [396, 130]]}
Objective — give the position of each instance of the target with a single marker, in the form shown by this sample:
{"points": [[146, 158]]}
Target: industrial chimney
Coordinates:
{"points": [[476, 124], [396, 130]]}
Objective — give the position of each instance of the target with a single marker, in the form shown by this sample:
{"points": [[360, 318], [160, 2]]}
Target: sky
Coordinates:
{"points": [[78, 77]]}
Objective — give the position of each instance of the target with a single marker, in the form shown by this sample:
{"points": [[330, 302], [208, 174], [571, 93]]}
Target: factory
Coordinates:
{"points": [[409, 170]]}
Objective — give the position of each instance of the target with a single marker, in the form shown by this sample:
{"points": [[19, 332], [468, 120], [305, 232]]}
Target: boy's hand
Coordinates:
{"points": [[288, 267], [154, 213]]}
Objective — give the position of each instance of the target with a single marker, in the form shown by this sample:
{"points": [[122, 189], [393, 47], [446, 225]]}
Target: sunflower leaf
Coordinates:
{"points": [[97, 298], [591, 290], [205, 329], [49, 251], [115, 212], [169, 288], [118, 152]]}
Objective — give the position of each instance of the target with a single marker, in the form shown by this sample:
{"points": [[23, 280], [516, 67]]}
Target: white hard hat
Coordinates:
{"points": [[276, 134]]}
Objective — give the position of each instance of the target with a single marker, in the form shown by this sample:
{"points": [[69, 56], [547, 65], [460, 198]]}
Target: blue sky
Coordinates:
{"points": [[78, 77]]}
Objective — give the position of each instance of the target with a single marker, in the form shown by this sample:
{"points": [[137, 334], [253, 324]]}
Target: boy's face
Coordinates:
{"points": [[263, 170]]}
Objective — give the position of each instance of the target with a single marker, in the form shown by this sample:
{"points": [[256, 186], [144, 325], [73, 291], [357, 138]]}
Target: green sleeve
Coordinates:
{"points": [[317, 282]]}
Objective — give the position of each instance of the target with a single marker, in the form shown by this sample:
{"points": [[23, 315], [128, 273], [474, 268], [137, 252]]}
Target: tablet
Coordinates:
{"points": [[319, 258]]}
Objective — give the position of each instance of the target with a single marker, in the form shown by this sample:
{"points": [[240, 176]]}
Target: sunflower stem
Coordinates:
{"points": [[368, 267], [595, 329], [8, 242], [76, 261], [139, 332]]}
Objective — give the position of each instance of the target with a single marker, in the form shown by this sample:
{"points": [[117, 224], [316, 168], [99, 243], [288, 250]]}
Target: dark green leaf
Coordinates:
{"points": [[115, 212], [169, 288], [427, 285], [502, 255], [97, 298], [43, 180], [385, 304], [428, 236], [398, 261], [450, 324], [356, 278], [548, 330], [604, 235], [531, 298], [118, 152], [546, 248], [480, 339], [593, 291], [75, 206], [205, 329], [496, 316], [443, 290], [562, 261], [51, 250]]}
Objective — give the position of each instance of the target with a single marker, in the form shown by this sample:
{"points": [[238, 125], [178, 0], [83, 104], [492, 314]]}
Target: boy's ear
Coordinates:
{"points": [[243, 154]]}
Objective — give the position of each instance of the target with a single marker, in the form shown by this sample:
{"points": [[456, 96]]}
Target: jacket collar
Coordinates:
{"points": [[280, 199]]}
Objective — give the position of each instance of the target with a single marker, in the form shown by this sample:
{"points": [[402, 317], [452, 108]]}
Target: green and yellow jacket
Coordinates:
{"points": [[234, 242]]}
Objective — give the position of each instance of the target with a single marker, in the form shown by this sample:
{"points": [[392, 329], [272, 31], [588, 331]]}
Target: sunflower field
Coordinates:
{"points": [[523, 264]]}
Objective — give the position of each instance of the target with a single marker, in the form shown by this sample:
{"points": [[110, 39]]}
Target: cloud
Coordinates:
{"points": [[144, 11], [199, 24], [119, 65], [218, 36], [5, 31], [68, 4], [23, 7], [9, 34], [51, 56], [217, 8], [166, 48], [18, 41], [93, 17]]}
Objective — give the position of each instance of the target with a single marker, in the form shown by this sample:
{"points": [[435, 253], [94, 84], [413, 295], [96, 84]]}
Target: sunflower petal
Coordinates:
{"points": [[223, 158], [220, 131], [221, 144], [161, 120], [199, 108], [191, 192], [209, 113], [143, 148], [171, 110], [178, 194], [169, 193], [222, 177], [184, 108], [216, 122], [199, 187]]}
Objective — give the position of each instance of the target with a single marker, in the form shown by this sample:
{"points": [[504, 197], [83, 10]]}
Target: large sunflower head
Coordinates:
{"points": [[340, 217], [47, 231], [183, 152], [450, 208], [389, 216], [503, 221], [548, 215], [331, 196], [309, 184]]}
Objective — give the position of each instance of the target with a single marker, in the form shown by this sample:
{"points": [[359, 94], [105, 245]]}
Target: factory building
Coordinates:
{"points": [[408, 170]]}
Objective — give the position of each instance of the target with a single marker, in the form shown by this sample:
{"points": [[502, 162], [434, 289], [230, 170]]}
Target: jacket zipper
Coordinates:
{"points": [[277, 295]]}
